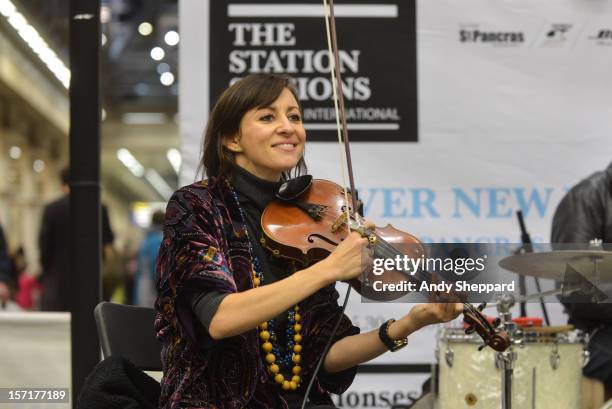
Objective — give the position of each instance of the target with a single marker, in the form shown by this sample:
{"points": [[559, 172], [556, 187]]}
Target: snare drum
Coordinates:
{"points": [[547, 372]]}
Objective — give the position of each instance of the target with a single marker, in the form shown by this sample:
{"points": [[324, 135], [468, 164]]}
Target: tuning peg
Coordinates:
{"points": [[470, 330], [481, 347], [482, 306], [496, 322]]}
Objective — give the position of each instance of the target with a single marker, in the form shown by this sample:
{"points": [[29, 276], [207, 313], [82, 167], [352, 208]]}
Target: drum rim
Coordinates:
{"points": [[456, 335]]}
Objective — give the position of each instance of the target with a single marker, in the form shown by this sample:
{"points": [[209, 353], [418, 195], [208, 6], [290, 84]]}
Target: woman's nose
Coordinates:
{"points": [[285, 126]]}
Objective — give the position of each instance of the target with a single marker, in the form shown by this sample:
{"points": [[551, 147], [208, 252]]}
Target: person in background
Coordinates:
{"points": [[5, 271], [54, 243], [145, 292], [585, 214], [28, 291]]}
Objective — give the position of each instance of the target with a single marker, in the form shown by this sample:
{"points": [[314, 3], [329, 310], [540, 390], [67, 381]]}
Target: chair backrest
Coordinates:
{"points": [[127, 331]]}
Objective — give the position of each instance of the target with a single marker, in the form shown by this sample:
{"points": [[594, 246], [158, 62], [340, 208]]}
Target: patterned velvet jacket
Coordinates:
{"points": [[205, 246]]}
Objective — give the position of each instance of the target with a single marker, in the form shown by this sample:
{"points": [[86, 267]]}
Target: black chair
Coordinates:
{"points": [[127, 331]]}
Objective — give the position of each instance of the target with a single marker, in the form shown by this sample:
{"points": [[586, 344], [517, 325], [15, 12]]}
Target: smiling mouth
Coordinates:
{"points": [[286, 146]]}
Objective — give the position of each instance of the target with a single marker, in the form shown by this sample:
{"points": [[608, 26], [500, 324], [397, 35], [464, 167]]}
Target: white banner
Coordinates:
{"points": [[514, 108]]}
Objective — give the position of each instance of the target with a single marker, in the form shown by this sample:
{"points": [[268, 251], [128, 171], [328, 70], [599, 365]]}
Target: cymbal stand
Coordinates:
{"points": [[597, 245], [506, 358]]}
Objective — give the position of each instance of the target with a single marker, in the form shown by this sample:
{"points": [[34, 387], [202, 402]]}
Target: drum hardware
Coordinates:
{"points": [[506, 358], [586, 355], [555, 358], [596, 245], [509, 359], [527, 247], [594, 264], [449, 357], [533, 387]]}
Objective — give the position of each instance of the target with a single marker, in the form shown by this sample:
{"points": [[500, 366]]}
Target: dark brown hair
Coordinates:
{"points": [[251, 92]]}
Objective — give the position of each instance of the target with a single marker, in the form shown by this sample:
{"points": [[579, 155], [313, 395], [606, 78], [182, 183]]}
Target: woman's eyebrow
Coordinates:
{"points": [[274, 108]]}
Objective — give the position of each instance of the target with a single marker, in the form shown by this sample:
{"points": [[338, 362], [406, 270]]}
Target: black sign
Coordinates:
{"points": [[377, 42]]}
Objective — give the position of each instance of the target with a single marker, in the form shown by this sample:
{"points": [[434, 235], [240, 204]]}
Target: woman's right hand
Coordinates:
{"points": [[349, 259]]}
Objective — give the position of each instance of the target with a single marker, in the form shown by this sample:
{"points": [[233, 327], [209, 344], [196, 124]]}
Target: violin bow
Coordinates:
{"points": [[493, 337], [343, 139]]}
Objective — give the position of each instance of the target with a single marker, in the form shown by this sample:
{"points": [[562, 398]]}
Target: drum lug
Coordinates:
{"points": [[586, 356], [449, 357], [555, 358]]}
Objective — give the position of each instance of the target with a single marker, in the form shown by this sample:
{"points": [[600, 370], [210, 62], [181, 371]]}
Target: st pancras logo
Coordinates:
{"points": [[473, 33]]}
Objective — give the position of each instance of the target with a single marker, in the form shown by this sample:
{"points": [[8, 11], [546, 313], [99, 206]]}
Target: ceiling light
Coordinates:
{"points": [[15, 152], [159, 184], [144, 118], [105, 14], [31, 37], [38, 165], [7, 8], [130, 162], [174, 157], [104, 39], [103, 114], [157, 53], [167, 78], [163, 67], [145, 28], [172, 37]]}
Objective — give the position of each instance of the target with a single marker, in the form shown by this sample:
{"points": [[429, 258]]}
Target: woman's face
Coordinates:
{"points": [[271, 139]]}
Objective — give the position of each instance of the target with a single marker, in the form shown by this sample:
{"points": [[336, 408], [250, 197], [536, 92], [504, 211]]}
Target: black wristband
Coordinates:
{"points": [[391, 344]]}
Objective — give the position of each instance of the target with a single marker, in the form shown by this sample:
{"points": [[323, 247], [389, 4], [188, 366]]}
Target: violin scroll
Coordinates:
{"points": [[496, 338]]}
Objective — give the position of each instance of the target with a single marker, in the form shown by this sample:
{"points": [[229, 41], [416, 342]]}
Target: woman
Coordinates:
{"points": [[239, 327]]}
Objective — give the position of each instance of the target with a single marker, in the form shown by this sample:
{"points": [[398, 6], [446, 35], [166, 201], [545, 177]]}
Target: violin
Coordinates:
{"points": [[309, 219]]}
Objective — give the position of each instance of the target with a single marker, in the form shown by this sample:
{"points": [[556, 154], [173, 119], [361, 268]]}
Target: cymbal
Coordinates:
{"points": [[553, 264]]}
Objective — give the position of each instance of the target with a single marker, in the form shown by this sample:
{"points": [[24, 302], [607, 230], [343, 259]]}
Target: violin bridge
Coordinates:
{"points": [[340, 221]]}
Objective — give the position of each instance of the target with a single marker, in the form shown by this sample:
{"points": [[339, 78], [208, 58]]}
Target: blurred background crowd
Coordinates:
{"points": [[139, 146]]}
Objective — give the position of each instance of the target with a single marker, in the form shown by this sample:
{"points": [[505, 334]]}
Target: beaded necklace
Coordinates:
{"points": [[267, 335]]}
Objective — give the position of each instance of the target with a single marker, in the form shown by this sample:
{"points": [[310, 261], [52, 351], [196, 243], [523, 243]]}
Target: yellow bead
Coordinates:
{"points": [[296, 370], [296, 308], [297, 317], [274, 369], [297, 338], [293, 385], [266, 346], [297, 327], [270, 358], [264, 335], [263, 325], [297, 349], [296, 379], [296, 358], [279, 378], [286, 385]]}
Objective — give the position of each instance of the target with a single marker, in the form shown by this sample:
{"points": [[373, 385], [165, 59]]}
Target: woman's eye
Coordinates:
{"points": [[295, 117], [266, 118]]}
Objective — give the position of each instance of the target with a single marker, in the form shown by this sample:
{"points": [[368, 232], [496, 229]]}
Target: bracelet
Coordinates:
{"points": [[391, 344]]}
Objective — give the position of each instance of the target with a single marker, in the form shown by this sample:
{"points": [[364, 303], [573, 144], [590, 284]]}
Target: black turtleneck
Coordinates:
{"points": [[253, 194]]}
